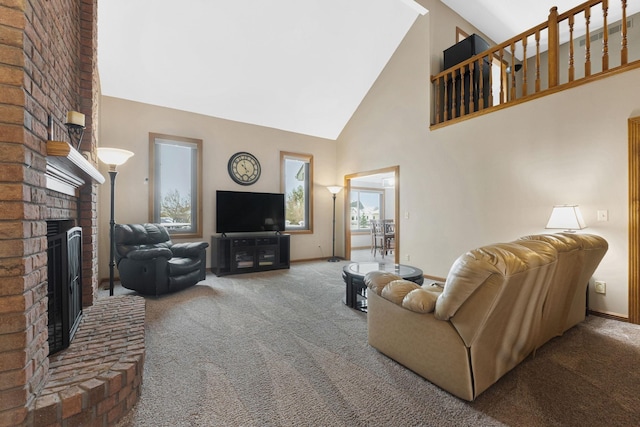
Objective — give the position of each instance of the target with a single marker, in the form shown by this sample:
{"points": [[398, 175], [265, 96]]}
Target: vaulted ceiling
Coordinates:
{"points": [[298, 65], [301, 66]]}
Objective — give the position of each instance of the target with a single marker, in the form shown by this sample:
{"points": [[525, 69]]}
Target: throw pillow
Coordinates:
{"points": [[420, 300], [396, 291]]}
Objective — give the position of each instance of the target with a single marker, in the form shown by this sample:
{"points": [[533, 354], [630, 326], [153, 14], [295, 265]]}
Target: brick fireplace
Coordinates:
{"points": [[48, 66]]}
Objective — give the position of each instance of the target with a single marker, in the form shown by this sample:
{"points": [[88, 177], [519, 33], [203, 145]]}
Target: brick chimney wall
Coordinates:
{"points": [[47, 67]]}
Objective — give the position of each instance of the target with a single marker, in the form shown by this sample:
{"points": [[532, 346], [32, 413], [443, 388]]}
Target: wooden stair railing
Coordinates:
{"points": [[522, 74]]}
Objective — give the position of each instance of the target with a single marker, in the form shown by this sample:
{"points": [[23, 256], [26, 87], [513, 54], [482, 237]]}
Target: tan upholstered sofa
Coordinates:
{"points": [[498, 305]]}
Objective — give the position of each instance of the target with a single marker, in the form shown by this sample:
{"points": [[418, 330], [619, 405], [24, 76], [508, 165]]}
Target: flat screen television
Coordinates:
{"points": [[248, 212]]}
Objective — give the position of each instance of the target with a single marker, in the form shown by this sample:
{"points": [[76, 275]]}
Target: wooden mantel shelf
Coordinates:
{"points": [[67, 169]]}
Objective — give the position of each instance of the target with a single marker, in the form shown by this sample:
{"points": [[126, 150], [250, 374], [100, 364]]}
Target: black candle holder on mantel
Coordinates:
{"points": [[75, 128]]}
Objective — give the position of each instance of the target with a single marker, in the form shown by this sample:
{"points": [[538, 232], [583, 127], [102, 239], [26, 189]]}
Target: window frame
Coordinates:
{"points": [[380, 192], [196, 230], [306, 158]]}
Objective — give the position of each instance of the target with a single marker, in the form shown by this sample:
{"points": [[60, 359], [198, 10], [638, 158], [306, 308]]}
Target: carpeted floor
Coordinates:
{"points": [[281, 349]]}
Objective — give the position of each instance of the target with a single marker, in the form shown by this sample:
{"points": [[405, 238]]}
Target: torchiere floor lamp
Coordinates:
{"points": [[334, 190], [113, 157]]}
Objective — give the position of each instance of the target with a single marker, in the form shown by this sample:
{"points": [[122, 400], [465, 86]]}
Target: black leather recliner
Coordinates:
{"points": [[150, 263]]}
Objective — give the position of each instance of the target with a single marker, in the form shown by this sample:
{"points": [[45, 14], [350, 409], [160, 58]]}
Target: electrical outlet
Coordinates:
{"points": [[406, 215], [601, 287], [407, 257]]}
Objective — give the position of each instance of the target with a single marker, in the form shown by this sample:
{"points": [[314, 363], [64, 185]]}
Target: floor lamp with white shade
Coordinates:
{"points": [[334, 190], [113, 157]]}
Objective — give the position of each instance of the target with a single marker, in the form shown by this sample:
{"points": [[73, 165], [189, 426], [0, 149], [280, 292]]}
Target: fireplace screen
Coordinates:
{"points": [[64, 253]]}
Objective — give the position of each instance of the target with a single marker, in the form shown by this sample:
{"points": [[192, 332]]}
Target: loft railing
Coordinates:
{"points": [[565, 51]]}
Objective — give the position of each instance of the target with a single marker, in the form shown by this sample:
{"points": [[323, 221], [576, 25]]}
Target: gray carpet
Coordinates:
{"points": [[281, 349]]}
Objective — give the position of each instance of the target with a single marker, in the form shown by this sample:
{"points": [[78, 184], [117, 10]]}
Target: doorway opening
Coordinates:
{"points": [[373, 197]]}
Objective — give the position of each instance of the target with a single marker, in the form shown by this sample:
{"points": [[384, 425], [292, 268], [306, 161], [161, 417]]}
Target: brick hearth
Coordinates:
{"points": [[48, 66], [98, 378]]}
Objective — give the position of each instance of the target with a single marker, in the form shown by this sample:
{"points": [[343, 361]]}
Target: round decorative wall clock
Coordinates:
{"points": [[244, 168]]}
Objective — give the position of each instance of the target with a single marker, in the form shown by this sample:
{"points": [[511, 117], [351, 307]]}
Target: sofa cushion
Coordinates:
{"points": [[150, 253], [132, 237], [421, 300], [471, 270], [396, 290], [377, 280], [141, 234], [562, 242]]}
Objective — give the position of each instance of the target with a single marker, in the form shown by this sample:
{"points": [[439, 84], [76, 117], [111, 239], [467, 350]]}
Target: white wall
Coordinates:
{"points": [[496, 177], [126, 124]]}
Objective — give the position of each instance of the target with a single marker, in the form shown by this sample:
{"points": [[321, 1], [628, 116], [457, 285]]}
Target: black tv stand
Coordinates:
{"points": [[249, 253]]}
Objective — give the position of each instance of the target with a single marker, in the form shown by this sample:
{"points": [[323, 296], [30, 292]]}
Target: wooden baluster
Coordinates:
{"points": [[481, 84], [454, 95], [473, 91], [572, 72], [461, 103], [623, 51], [512, 75], [554, 47], [537, 61], [490, 102], [524, 66], [436, 89], [443, 99], [502, 77], [447, 96], [605, 36], [587, 56]]}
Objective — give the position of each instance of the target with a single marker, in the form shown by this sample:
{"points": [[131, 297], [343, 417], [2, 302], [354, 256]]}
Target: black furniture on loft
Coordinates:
{"points": [[151, 264], [471, 85]]}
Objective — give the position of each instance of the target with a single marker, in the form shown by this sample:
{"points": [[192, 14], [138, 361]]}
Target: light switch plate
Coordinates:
{"points": [[603, 215]]}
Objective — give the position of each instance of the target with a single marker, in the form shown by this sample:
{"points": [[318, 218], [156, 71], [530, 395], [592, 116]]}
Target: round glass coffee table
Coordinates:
{"points": [[353, 275]]}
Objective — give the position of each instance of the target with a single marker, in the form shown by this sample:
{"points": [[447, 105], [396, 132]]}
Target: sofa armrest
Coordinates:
{"points": [[188, 250], [150, 253]]}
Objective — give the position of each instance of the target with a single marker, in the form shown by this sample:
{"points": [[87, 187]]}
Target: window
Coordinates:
{"points": [[366, 205], [175, 185], [297, 175]]}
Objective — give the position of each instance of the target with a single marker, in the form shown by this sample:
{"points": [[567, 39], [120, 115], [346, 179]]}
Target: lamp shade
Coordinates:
{"points": [[113, 156], [567, 217], [334, 189]]}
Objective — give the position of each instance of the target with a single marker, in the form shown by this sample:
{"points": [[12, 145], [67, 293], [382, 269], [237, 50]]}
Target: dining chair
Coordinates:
{"points": [[389, 238], [377, 237]]}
